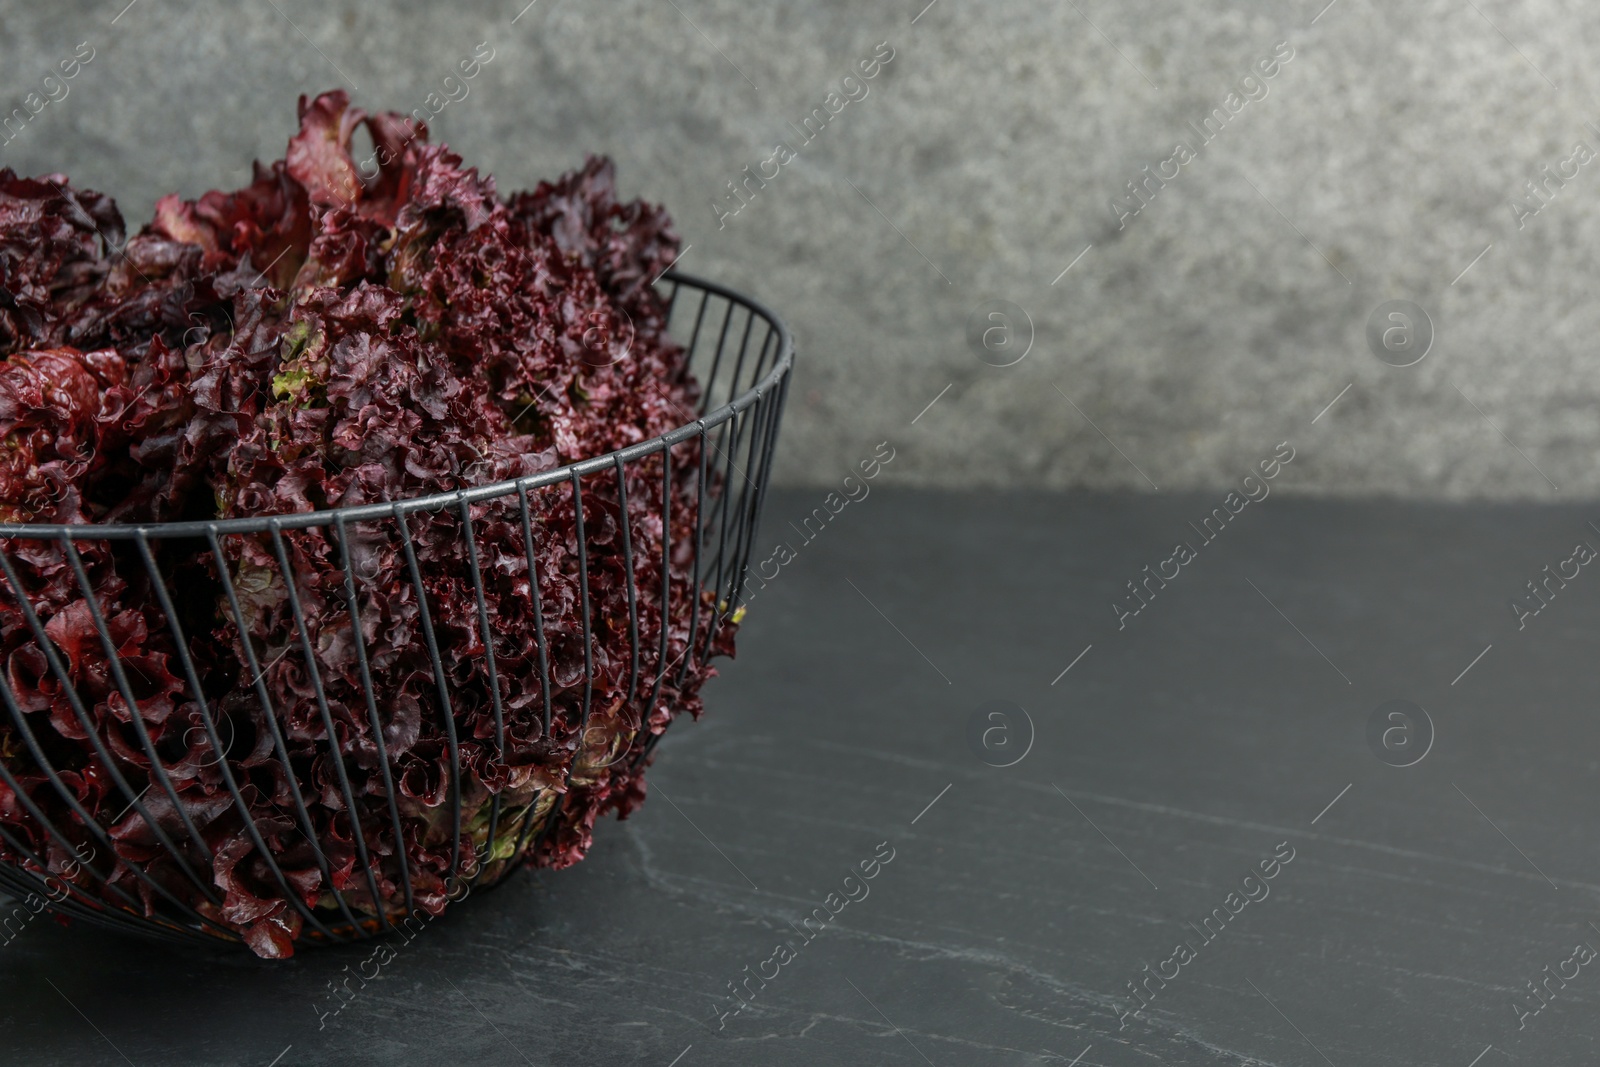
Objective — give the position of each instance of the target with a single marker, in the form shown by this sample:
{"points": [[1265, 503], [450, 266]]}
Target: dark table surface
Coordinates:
{"points": [[1172, 759]]}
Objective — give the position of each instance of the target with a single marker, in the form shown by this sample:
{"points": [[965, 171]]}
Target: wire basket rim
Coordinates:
{"points": [[435, 501]]}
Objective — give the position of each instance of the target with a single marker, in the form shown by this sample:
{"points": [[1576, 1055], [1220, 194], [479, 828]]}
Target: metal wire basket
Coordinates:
{"points": [[713, 469]]}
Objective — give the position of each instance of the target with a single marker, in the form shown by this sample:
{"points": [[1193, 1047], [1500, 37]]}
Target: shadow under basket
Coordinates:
{"points": [[649, 541]]}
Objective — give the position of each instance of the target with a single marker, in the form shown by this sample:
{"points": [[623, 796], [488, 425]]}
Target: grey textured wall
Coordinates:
{"points": [[1191, 338]]}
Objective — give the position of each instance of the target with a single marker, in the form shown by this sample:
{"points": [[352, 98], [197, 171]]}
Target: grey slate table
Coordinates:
{"points": [[1228, 719]]}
